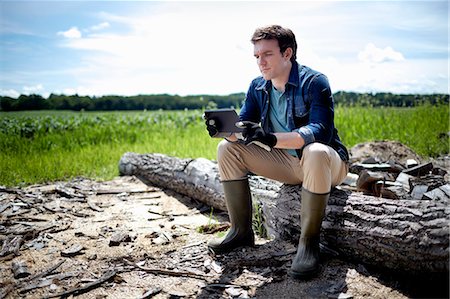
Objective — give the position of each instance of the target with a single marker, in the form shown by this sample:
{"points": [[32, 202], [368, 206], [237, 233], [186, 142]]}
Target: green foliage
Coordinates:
{"points": [[113, 103], [39, 146], [258, 220], [176, 102], [424, 128], [383, 99], [59, 145]]}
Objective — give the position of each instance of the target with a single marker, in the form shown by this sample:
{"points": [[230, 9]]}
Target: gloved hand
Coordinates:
{"points": [[211, 127], [254, 134]]}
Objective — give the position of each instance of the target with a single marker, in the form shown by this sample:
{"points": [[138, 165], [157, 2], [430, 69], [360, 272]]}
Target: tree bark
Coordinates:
{"points": [[402, 235]]}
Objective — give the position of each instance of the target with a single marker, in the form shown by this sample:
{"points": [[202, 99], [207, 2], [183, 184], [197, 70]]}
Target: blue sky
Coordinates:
{"points": [[181, 47]]}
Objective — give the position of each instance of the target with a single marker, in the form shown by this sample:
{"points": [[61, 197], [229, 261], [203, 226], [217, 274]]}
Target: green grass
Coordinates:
{"points": [[424, 129], [43, 146], [63, 145]]}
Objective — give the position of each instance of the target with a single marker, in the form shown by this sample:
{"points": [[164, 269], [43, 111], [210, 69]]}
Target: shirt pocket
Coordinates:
{"points": [[300, 108]]}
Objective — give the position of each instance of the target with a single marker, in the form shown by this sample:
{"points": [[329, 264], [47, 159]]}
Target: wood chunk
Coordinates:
{"points": [[118, 238], [150, 293], [351, 179], [390, 190], [441, 193], [11, 245], [439, 171], [367, 179], [45, 282], [47, 271], [94, 206], [20, 269], [68, 192], [125, 190], [404, 180], [86, 287], [411, 163], [74, 250], [359, 167], [370, 182], [430, 180], [420, 169], [418, 191]]}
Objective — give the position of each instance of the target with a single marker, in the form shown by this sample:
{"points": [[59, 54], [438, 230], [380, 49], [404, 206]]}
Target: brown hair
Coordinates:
{"points": [[284, 36]]}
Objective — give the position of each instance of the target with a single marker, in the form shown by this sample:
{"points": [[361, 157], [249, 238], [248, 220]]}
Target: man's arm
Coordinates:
{"points": [[321, 115], [290, 140]]}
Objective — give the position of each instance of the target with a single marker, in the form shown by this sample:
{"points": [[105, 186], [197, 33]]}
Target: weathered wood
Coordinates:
{"points": [[81, 289], [20, 269], [11, 245], [194, 178], [118, 238], [73, 250], [403, 235]]}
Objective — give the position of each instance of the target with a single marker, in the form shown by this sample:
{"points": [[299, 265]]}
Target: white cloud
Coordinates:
{"points": [[196, 48], [403, 77], [100, 26], [73, 32], [372, 54], [9, 93], [153, 56], [33, 89]]}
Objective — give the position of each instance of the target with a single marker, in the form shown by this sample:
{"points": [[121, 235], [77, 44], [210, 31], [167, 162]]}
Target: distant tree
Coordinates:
{"points": [[176, 102]]}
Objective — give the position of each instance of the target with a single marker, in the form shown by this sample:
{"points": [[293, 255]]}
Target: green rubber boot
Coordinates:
{"points": [[306, 261], [239, 205]]}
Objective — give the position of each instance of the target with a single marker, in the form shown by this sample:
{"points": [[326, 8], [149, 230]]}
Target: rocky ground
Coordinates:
{"points": [[123, 239]]}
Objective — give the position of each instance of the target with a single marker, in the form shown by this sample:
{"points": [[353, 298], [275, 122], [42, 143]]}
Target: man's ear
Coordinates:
{"points": [[288, 53]]}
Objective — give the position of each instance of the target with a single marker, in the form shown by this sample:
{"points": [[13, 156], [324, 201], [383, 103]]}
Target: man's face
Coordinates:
{"points": [[271, 62]]}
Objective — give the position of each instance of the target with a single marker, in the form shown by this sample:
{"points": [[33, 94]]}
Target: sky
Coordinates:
{"points": [[128, 48]]}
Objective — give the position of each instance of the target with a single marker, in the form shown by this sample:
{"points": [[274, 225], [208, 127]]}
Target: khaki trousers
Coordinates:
{"points": [[319, 169]]}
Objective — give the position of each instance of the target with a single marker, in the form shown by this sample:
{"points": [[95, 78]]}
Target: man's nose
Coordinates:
{"points": [[261, 61]]}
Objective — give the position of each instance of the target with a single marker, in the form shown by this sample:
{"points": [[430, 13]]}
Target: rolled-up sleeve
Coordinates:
{"points": [[307, 134]]}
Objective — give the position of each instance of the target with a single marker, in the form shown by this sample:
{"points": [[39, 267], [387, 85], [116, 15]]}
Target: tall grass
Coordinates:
{"points": [[38, 147], [424, 129], [45, 146]]}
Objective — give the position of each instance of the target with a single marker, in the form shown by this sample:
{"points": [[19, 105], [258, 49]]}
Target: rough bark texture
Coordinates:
{"points": [[401, 235]]}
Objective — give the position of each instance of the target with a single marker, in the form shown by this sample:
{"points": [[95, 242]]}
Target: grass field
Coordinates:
{"points": [[45, 146]]}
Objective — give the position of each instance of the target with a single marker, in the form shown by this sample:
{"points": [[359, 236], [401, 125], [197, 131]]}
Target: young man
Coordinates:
{"points": [[289, 136]]}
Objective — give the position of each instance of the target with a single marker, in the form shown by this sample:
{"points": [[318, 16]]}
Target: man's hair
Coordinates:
{"points": [[284, 36]]}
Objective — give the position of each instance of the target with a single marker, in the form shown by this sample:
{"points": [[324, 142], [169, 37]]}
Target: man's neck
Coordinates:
{"points": [[280, 82]]}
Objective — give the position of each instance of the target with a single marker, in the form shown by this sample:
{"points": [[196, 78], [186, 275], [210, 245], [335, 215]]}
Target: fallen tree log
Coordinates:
{"points": [[402, 235]]}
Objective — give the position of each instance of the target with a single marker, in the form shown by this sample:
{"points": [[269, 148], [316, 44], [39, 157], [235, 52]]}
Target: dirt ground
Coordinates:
{"points": [[123, 239]]}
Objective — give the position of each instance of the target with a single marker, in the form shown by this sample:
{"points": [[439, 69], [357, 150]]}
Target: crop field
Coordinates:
{"points": [[43, 146]]}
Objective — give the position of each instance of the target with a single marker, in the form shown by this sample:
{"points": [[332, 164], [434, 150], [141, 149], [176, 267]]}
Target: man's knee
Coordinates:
{"points": [[316, 152], [316, 162], [222, 149]]}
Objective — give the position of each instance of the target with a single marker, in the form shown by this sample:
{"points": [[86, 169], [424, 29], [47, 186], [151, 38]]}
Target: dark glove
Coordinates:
{"points": [[211, 127], [254, 134]]}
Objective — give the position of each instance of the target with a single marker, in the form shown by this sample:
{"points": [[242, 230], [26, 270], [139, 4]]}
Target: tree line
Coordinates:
{"points": [[176, 102]]}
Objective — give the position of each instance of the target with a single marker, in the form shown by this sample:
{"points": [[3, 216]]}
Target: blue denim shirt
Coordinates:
{"points": [[310, 107]]}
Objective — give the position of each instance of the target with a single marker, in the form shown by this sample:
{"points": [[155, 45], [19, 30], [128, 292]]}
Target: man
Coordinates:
{"points": [[289, 136]]}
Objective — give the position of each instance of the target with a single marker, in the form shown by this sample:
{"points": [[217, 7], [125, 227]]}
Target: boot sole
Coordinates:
{"points": [[219, 250], [303, 275]]}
